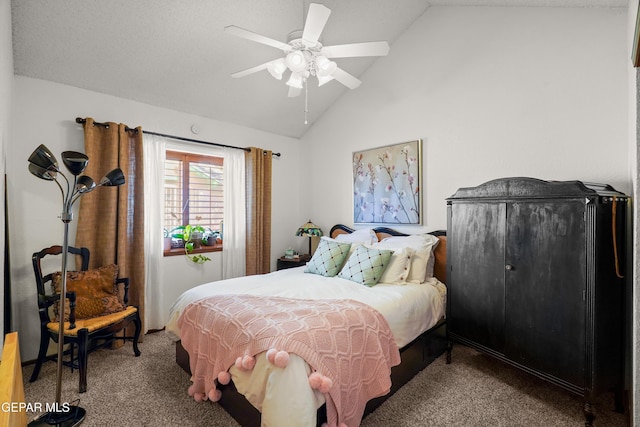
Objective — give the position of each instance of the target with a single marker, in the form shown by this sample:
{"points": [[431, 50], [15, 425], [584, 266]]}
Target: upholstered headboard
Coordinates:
{"points": [[440, 253]]}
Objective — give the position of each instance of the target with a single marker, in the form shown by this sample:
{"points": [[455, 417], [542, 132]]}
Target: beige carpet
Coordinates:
{"points": [[475, 390]]}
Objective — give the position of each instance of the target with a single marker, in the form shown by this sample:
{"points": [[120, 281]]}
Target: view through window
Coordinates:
{"points": [[194, 195]]}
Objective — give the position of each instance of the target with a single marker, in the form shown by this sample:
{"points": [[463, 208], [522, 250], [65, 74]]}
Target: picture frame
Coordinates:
{"points": [[387, 184]]}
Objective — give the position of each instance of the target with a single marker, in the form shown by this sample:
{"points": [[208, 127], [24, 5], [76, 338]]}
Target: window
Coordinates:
{"points": [[194, 194]]}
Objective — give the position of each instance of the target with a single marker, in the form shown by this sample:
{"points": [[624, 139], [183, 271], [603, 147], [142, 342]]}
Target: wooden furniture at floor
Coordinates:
{"points": [[284, 263], [415, 356], [85, 334], [535, 279], [11, 385]]}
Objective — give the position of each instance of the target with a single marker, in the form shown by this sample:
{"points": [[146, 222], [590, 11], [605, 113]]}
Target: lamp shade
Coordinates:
{"points": [[75, 162], [323, 79], [325, 67], [43, 158], [85, 184], [277, 68], [41, 172], [309, 230], [296, 61], [295, 80], [113, 178]]}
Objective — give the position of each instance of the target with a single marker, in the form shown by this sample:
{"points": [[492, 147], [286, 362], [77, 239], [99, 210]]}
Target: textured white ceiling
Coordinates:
{"points": [[174, 54]]}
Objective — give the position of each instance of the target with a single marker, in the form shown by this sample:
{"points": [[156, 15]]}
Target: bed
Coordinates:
{"points": [[413, 312]]}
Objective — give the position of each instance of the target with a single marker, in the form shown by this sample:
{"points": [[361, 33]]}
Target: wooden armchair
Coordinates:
{"points": [[86, 328]]}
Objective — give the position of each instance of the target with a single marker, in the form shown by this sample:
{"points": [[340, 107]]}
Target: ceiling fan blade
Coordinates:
{"points": [[316, 20], [294, 91], [356, 49], [346, 79], [250, 35], [251, 70]]}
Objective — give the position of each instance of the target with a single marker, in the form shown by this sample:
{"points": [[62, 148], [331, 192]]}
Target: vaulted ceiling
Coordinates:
{"points": [[175, 54]]}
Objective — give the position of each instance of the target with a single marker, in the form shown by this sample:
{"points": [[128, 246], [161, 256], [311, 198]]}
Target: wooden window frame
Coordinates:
{"points": [[186, 158]]}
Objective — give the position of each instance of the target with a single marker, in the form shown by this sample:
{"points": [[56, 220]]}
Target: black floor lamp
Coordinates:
{"points": [[43, 164]]}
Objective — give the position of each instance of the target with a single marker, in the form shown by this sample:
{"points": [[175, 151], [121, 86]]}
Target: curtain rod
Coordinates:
{"points": [[180, 138]]}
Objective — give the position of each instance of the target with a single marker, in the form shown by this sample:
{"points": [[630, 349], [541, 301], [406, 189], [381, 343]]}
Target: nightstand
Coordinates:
{"points": [[284, 263]]}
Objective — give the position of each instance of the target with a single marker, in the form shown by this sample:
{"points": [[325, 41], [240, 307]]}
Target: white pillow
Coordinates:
{"points": [[366, 236], [422, 244], [397, 270]]}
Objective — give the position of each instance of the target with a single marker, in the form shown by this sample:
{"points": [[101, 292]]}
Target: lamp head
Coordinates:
{"points": [[41, 172], [309, 230], [295, 80], [85, 184], [44, 159], [277, 68], [75, 162], [114, 178], [325, 67], [323, 79], [296, 61]]}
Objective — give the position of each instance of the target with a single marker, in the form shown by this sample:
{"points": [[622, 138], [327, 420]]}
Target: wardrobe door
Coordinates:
{"points": [[545, 287], [476, 282]]}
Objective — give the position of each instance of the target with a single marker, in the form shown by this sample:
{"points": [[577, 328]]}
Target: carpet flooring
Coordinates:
{"points": [[474, 390]]}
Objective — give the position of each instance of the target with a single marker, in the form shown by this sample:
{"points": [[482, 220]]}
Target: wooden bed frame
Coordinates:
{"points": [[415, 356]]}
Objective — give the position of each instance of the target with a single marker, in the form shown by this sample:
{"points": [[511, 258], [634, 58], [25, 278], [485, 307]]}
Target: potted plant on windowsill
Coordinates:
{"points": [[211, 237], [191, 236]]}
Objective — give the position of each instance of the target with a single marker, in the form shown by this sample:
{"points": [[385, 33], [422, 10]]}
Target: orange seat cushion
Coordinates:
{"points": [[92, 324]]}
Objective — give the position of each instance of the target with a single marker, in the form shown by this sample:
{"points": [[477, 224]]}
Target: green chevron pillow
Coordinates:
{"points": [[328, 258]]}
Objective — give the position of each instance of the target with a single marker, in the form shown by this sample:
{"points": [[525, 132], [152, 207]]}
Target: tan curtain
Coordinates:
{"points": [[111, 219], [258, 176]]}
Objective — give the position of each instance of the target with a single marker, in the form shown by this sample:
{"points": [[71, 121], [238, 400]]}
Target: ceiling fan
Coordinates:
{"points": [[305, 56]]}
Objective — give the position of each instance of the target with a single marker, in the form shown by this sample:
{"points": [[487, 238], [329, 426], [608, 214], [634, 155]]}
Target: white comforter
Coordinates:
{"points": [[409, 309]]}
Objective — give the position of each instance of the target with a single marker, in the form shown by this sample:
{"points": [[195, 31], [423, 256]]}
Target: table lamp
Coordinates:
{"points": [[309, 230]]}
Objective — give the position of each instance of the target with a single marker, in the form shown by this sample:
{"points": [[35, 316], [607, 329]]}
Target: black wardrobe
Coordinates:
{"points": [[536, 279]]}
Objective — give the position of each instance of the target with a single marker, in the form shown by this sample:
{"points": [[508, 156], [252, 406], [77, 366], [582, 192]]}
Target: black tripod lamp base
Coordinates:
{"points": [[73, 417]]}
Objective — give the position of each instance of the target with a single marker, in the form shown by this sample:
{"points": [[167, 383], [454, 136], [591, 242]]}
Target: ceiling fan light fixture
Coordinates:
{"points": [[305, 55], [277, 68], [295, 80], [325, 67], [323, 79], [296, 61]]}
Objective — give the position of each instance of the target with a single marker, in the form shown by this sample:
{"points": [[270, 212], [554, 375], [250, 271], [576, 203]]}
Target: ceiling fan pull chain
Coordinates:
{"points": [[306, 101]]}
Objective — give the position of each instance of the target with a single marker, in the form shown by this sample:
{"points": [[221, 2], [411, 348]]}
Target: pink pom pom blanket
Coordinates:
{"points": [[345, 340]]}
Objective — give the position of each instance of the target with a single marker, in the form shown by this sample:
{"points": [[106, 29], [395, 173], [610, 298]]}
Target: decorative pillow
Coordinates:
{"points": [[96, 292], [432, 262], [399, 266], [352, 249], [366, 236], [366, 265], [422, 244], [328, 257]]}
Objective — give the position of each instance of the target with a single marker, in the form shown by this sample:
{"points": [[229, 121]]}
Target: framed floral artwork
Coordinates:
{"points": [[387, 187]]}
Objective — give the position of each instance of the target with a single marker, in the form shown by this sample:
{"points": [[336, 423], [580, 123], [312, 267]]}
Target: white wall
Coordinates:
{"points": [[6, 82], [44, 113], [493, 92]]}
